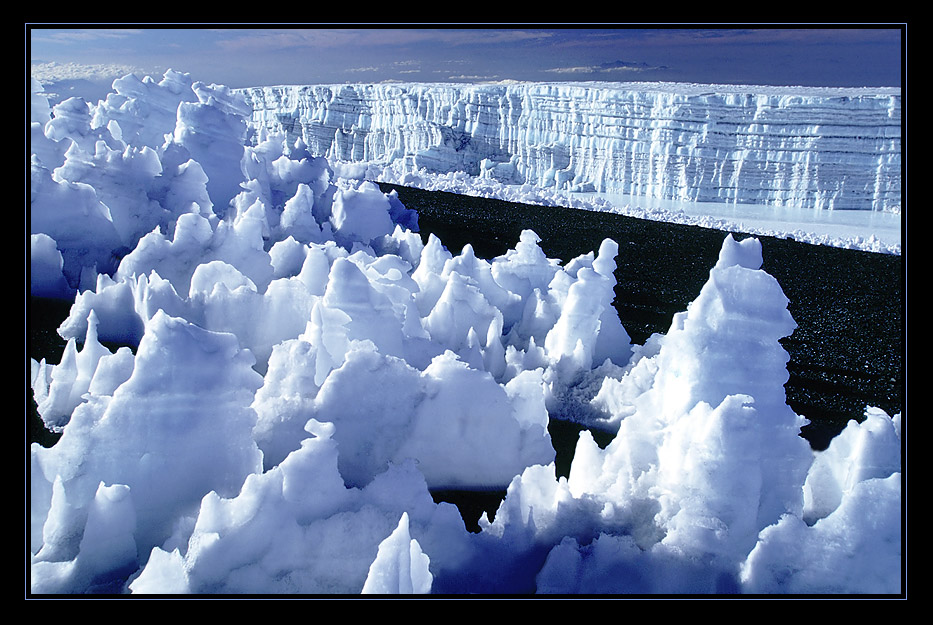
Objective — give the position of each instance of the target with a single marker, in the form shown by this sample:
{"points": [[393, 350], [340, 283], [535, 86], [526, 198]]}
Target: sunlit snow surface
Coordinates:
{"points": [[304, 369], [873, 231]]}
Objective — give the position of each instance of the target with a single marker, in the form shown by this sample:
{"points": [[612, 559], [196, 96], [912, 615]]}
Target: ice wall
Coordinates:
{"points": [[803, 147]]}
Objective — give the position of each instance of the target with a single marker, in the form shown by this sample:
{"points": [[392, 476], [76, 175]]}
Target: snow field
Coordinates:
{"points": [[305, 370]]}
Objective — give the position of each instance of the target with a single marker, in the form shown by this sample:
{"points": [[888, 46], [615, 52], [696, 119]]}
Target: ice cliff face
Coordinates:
{"points": [[802, 147]]}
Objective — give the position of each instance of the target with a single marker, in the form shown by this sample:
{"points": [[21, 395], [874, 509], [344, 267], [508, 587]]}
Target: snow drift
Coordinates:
{"points": [[301, 369]]}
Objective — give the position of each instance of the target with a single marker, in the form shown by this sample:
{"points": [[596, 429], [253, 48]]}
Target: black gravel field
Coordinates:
{"points": [[847, 352]]}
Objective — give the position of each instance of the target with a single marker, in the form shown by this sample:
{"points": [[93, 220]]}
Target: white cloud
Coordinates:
{"points": [[615, 66], [83, 35], [276, 39], [87, 81], [55, 72], [472, 78]]}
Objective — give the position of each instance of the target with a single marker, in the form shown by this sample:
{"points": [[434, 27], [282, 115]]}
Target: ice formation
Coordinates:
{"points": [[301, 370], [811, 148]]}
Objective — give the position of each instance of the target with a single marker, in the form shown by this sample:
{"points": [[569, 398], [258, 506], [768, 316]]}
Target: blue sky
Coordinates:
{"points": [[80, 58]]}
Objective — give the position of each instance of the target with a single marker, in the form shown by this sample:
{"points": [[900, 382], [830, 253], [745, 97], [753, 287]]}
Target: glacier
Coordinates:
{"points": [[268, 371], [810, 148]]}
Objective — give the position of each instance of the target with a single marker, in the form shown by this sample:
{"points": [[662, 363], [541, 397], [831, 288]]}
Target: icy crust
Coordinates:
{"points": [[300, 371], [805, 148]]}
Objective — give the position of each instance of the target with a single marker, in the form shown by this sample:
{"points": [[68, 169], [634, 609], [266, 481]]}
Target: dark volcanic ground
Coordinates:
{"points": [[848, 349]]}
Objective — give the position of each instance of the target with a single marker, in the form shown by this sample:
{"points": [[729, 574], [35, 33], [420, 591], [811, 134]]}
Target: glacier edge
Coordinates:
{"points": [[819, 148]]}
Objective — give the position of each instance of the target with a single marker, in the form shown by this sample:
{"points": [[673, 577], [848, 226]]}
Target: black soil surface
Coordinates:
{"points": [[846, 353]]}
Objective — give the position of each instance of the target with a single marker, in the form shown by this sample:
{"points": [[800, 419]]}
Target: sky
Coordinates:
{"points": [[79, 60]]}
